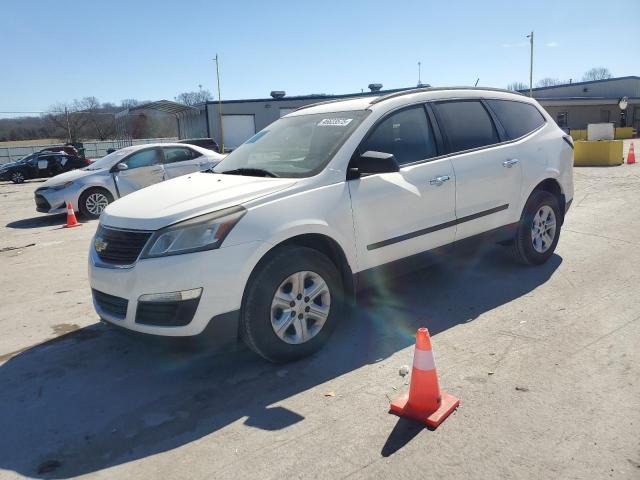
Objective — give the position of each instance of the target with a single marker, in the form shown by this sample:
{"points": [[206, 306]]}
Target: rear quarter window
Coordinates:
{"points": [[517, 118]]}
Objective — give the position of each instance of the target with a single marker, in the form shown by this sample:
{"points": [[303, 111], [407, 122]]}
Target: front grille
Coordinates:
{"points": [[111, 304], [119, 247], [41, 203]]}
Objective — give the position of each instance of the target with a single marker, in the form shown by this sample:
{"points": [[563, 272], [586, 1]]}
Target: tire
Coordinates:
{"points": [[17, 177], [91, 202], [530, 245], [262, 313]]}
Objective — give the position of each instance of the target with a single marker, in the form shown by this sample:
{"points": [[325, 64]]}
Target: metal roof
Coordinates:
{"points": [[589, 82], [319, 96], [165, 106]]}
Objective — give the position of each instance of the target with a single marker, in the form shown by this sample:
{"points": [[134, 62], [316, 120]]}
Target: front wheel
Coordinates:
{"points": [[538, 230], [17, 177], [292, 304], [93, 202]]}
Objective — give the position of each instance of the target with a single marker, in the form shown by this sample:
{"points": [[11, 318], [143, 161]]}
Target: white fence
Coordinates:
{"points": [[92, 149]]}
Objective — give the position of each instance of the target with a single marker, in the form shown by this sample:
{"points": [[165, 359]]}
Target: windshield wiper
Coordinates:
{"points": [[250, 172]]}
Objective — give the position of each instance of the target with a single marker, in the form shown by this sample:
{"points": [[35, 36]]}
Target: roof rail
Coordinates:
{"points": [[438, 89], [322, 103]]}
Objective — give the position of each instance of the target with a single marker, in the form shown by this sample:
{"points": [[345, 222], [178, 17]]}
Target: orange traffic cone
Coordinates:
{"points": [[424, 401], [71, 217], [631, 157]]}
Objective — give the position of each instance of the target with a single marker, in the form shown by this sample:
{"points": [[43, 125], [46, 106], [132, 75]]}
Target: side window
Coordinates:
{"points": [[143, 158], [467, 124], [517, 118], [406, 134], [178, 154]]}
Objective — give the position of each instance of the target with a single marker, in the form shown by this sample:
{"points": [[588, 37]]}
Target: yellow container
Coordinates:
{"points": [[578, 135], [597, 154], [624, 132]]}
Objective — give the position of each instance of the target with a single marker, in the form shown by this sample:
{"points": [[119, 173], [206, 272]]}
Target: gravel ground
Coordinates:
{"points": [[545, 361]]}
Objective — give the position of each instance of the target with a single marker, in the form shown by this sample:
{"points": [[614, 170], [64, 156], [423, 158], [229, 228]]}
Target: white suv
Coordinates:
{"points": [[274, 244]]}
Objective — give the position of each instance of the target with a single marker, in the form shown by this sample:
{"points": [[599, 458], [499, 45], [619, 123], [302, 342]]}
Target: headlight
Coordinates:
{"points": [[205, 232], [62, 185]]}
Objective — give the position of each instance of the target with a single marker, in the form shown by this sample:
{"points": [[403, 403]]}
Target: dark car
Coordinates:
{"points": [[208, 143], [40, 165]]}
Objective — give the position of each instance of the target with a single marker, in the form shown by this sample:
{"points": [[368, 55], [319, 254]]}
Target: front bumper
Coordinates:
{"points": [[222, 274], [53, 201]]}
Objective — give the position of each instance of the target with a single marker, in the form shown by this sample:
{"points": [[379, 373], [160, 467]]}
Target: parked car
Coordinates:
{"points": [[40, 165], [68, 149], [115, 175], [208, 143], [273, 246]]}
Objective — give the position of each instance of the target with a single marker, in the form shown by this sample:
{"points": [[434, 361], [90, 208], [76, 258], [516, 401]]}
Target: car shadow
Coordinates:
{"points": [[97, 397], [38, 222]]}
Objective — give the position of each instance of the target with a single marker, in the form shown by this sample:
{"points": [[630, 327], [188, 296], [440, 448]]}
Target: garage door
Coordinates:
{"points": [[237, 129]]}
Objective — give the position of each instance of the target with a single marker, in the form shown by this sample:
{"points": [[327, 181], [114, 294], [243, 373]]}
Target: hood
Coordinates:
{"points": [[67, 176], [186, 197], [4, 166]]}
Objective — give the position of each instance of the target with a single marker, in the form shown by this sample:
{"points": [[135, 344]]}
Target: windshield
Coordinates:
{"points": [[298, 146], [109, 160]]}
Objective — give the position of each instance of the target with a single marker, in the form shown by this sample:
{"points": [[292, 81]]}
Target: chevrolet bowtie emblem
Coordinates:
{"points": [[100, 245]]}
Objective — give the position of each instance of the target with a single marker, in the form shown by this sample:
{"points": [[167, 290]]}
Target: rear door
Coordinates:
{"points": [[487, 168], [182, 160], [144, 168]]}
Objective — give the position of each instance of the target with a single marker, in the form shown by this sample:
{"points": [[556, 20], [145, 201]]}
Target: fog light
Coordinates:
{"points": [[171, 296]]}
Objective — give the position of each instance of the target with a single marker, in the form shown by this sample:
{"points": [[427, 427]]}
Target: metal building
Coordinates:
{"points": [[241, 119], [574, 105]]}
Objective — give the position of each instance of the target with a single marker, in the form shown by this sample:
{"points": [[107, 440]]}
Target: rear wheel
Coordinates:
{"points": [[17, 177], [538, 230], [93, 202], [292, 304]]}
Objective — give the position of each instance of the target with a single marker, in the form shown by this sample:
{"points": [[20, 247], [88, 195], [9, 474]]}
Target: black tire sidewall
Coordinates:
{"points": [[525, 248], [256, 326], [83, 200]]}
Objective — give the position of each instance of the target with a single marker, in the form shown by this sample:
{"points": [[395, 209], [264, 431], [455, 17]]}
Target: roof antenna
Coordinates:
{"points": [[477, 80]]}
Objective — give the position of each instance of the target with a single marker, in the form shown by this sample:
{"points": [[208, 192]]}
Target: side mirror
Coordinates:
{"points": [[371, 162], [120, 167]]}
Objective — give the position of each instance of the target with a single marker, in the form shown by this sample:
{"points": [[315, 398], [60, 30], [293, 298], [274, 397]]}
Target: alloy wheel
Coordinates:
{"points": [[300, 307], [96, 203], [543, 229]]}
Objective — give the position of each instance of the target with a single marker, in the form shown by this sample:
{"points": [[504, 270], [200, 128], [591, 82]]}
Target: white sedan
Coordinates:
{"points": [[91, 189]]}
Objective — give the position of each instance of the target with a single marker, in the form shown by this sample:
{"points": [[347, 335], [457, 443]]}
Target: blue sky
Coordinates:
{"points": [[55, 51]]}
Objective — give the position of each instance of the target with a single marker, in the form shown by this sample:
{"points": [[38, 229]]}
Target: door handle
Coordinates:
{"points": [[510, 163], [437, 181]]}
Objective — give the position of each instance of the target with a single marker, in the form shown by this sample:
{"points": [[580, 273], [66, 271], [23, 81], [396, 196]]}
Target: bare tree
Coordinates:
{"points": [[195, 97], [597, 73], [549, 82], [129, 102], [99, 123], [516, 86], [63, 123]]}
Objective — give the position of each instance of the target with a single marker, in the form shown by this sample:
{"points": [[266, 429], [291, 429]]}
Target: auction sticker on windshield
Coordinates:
{"points": [[334, 122]]}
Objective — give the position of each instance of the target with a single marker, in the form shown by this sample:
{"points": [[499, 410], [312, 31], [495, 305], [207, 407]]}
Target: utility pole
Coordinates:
{"points": [[66, 114], [219, 105], [530, 37], [419, 72]]}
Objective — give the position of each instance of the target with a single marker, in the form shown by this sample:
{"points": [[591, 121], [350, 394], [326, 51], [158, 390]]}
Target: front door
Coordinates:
{"points": [[144, 168], [399, 214]]}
